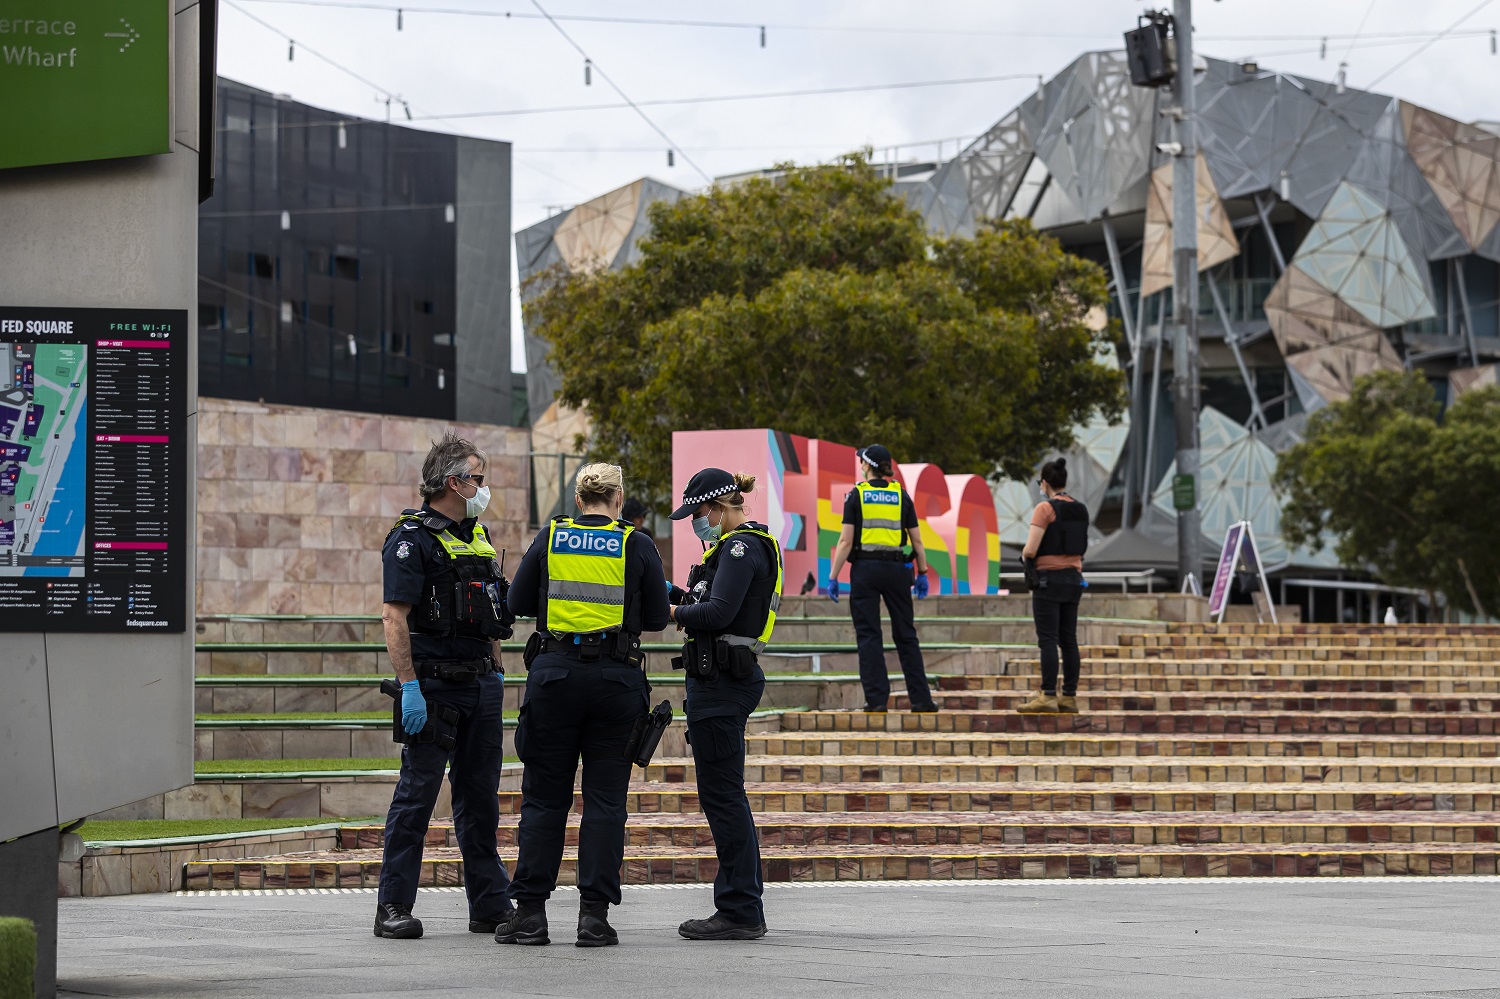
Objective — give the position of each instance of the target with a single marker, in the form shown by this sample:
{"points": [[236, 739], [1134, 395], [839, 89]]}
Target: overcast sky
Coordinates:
{"points": [[448, 64]]}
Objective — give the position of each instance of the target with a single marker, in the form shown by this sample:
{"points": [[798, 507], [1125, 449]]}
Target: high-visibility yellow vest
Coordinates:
{"points": [[585, 576], [758, 643], [880, 517]]}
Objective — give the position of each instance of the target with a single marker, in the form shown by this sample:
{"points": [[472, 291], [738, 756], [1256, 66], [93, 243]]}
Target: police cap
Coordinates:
{"points": [[711, 483]]}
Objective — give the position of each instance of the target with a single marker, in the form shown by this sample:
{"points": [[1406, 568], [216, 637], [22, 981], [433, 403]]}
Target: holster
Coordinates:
{"points": [[646, 735], [441, 727], [699, 658], [533, 649]]}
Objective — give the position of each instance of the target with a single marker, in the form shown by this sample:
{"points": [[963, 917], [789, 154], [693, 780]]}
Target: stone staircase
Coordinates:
{"points": [[1201, 750]]}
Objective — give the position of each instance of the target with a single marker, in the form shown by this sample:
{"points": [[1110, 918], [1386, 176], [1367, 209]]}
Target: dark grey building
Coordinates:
{"points": [[354, 264]]}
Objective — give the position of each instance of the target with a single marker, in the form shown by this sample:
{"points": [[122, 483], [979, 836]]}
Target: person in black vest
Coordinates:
{"points": [[444, 616], [1054, 551], [728, 610], [594, 583]]}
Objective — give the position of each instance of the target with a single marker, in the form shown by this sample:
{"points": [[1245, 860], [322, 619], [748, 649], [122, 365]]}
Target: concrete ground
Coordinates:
{"points": [[1408, 937]]}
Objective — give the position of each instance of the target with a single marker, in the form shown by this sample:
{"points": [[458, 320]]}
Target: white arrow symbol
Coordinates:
{"points": [[129, 34]]}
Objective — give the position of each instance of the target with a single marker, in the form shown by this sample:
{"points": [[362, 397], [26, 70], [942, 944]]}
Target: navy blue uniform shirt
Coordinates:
{"points": [[410, 555], [738, 567], [645, 584]]}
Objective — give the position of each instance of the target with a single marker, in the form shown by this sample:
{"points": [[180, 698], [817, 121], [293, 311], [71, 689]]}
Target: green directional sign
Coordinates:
{"points": [[84, 80], [1184, 492]]}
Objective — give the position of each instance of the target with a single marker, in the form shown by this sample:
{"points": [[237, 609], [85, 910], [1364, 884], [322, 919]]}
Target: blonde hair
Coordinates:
{"points": [[742, 484], [598, 482]]}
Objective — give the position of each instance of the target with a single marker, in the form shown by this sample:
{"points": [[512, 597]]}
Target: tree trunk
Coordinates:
{"points": [[1473, 594]]}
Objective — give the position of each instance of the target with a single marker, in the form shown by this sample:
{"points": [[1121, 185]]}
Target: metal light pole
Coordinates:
{"points": [[1185, 394]]}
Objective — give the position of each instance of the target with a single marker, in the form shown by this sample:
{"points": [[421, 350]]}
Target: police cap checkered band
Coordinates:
{"points": [[709, 484], [877, 455]]}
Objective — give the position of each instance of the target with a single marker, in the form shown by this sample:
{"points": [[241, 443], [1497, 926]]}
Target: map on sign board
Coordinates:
{"points": [[43, 458]]}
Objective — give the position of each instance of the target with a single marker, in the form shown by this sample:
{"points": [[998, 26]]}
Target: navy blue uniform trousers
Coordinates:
{"points": [[474, 773], [717, 711], [870, 582], [575, 709]]}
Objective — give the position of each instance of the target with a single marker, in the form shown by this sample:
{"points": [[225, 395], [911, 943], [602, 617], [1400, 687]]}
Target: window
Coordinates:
{"points": [[346, 267], [423, 307], [262, 266], [210, 317]]}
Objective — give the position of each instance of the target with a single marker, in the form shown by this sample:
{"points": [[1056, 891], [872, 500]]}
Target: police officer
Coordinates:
{"points": [[1055, 546], [594, 584], [879, 521], [444, 615], [730, 610]]}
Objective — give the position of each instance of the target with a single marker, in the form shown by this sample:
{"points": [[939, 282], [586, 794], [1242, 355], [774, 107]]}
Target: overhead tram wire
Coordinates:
{"points": [[895, 29], [589, 62], [1412, 55], [676, 101]]}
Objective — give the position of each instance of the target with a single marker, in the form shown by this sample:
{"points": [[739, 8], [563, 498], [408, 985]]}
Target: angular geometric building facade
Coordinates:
{"points": [[1340, 232]]}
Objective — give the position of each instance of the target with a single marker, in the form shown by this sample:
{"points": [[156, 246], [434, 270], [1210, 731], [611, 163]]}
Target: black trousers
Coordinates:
{"points": [[1055, 610], [716, 715], [575, 710], [870, 582], [474, 773]]}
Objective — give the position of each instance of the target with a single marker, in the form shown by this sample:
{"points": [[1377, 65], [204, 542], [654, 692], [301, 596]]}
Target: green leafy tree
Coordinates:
{"points": [[816, 303], [1400, 492]]}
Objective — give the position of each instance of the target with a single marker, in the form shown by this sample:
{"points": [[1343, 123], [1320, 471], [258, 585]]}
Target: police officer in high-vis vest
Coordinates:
{"points": [[880, 520], [728, 611], [444, 615], [1055, 546], [594, 583]]}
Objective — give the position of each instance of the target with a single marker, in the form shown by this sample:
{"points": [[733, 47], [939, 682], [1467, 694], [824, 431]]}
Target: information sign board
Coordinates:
{"points": [[94, 495], [84, 80], [1218, 597]]}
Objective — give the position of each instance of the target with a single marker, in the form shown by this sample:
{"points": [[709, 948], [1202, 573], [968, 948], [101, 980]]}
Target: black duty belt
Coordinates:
{"points": [[878, 557], [455, 670], [589, 648]]}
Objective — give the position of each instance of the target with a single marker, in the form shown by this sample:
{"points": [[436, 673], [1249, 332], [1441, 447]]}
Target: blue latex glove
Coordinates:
{"points": [[669, 589], [833, 590], [413, 707], [923, 585]]}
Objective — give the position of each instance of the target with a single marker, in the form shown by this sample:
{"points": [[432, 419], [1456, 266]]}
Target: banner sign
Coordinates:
{"points": [[1240, 557], [1218, 598], [94, 490], [799, 494], [84, 80]]}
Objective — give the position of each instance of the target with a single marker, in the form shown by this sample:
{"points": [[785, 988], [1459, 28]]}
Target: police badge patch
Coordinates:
{"points": [[403, 549], [737, 550]]}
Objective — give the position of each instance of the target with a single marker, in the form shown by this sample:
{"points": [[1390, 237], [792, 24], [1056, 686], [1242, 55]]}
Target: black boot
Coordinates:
{"points": [[593, 925], [395, 922], [720, 927], [527, 925], [490, 924]]}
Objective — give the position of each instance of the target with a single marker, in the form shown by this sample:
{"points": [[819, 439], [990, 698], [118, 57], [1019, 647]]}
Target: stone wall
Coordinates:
{"points": [[293, 503]]}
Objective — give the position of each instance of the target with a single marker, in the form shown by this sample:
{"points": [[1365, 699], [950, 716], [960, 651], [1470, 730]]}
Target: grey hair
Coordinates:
{"points": [[449, 456]]}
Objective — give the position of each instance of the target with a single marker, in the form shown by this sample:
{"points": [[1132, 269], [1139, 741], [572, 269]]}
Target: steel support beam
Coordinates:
{"points": [[1264, 211], [1256, 413], [1463, 298]]}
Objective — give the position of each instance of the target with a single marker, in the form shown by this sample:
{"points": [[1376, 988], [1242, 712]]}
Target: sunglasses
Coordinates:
{"points": [[478, 480]]}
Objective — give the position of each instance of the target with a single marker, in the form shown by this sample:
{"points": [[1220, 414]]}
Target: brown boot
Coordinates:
{"points": [[1067, 703], [1042, 703]]}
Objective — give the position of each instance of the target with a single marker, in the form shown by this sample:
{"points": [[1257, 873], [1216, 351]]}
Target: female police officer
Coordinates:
{"points": [[594, 584], [732, 599]]}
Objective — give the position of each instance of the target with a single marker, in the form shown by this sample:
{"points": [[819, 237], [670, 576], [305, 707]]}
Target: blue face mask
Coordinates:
{"points": [[706, 531]]}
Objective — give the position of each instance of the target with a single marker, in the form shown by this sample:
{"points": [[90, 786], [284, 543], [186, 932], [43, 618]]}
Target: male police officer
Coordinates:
{"points": [[879, 520], [444, 615]]}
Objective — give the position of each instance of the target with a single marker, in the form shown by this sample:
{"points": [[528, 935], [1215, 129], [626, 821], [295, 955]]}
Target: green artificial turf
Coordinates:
{"points": [[17, 957], [104, 832], [208, 768]]}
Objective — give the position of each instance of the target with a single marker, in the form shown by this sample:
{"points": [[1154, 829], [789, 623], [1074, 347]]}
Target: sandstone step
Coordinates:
{"points": [[1296, 653], [676, 865], [1247, 771], [981, 745], [1149, 723], [1394, 668], [811, 829], [1329, 629], [1160, 684], [769, 801], [366, 658], [1246, 701], [1392, 638]]}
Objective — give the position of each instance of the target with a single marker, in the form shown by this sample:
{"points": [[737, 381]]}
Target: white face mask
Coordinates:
{"points": [[476, 504]]}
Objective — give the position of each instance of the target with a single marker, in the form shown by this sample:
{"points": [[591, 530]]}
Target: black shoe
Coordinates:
{"points": [[527, 925], [593, 925], [490, 923], [720, 927], [875, 709], [924, 709], [395, 922]]}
